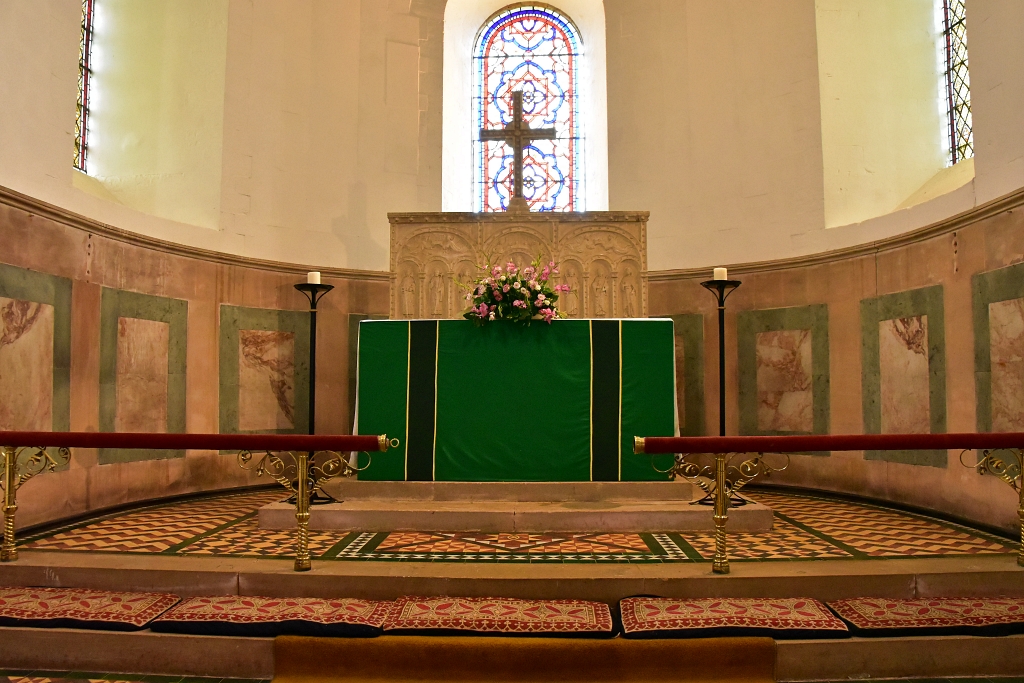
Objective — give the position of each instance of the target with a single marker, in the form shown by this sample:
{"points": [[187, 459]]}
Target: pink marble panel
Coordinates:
{"points": [[26, 365], [1006, 338], [904, 384], [785, 400], [142, 350], [266, 380]]}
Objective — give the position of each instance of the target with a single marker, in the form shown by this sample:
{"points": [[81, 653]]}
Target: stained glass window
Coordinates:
{"points": [[957, 81], [84, 78], [536, 50]]}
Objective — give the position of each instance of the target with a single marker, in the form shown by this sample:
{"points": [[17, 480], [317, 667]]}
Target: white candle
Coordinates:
{"points": [[721, 274], [313, 278]]}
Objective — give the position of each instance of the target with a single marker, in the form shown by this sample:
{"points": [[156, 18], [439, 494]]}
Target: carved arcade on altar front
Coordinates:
{"points": [[602, 256]]}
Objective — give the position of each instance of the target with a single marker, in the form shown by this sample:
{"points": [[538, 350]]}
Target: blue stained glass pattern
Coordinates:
{"points": [[535, 50]]}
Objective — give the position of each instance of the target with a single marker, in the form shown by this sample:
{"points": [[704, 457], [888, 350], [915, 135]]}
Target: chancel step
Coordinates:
{"points": [[496, 507]]}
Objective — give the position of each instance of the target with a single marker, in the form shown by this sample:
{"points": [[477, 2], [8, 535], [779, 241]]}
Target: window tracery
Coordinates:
{"points": [[534, 49]]}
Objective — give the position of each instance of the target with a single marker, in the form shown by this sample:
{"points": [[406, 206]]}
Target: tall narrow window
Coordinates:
{"points": [[957, 81], [533, 49], [84, 77]]}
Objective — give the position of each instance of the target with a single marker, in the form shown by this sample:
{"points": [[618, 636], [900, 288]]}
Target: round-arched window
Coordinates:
{"points": [[534, 49]]}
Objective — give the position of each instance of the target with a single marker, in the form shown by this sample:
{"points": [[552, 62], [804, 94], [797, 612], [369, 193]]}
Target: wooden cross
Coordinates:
{"points": [[518, 135]]}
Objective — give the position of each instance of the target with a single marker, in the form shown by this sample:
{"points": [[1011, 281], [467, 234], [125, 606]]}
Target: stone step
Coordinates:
{"points": [[551, 491], [491, 516]]}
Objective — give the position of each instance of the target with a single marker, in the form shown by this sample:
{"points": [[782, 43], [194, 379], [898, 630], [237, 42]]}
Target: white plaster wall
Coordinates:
{"points": [[714, 126], [157, 107], [462, 22], [332, 116], [883, 123]]}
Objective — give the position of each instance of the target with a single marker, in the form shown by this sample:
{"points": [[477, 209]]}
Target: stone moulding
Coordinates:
{"points": [[1008, 202], [602, 255], [37, 207]]}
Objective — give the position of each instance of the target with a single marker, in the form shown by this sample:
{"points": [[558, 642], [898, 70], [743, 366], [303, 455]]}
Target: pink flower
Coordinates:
{"points": [[541, 297], [549, 315], [544, 274], [482, 310], [519, 303], [505, 288], [497, 296], [497, 271], [511, 268]]}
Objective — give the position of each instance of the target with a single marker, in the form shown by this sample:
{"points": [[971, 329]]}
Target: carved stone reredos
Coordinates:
{"points": [[602, 255]]}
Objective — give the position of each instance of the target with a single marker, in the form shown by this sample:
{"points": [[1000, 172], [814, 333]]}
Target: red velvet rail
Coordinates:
{"points": [[828, 442], [213, 442]]}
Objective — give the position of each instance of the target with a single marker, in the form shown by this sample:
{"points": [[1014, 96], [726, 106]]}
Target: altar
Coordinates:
{"points": [[507, 402]]}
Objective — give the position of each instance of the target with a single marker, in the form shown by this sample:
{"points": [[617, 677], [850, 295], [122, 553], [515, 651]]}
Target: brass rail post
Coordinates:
{"points": [[720, 565], [15, 474], [1009, 469], [9, 551], [302, 563]]}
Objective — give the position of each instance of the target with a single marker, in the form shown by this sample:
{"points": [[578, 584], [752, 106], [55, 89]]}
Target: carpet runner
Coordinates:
{"points": [[242, 615], [81, 608], [779, 618], [932, 616], [499, 616], [459, 659]]}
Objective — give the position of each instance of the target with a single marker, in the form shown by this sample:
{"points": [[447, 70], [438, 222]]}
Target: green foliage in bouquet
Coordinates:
{"points": [[511, 293]]}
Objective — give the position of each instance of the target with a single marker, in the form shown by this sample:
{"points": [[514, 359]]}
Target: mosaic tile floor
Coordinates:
{"points": [[806, 528]]}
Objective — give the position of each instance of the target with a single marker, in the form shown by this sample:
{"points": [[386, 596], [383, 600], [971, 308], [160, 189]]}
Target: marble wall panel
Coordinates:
{"points": [[141, 380], [903, 350], [998, 303], [26, 365], [903, 375], [264, 370], [784, 371], [266, 380], [143, 359], [785, 400], [1006, 343], [689, 339]]}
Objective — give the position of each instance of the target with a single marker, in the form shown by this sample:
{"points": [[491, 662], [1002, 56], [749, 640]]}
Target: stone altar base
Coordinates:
{"points": [[496, 507]]}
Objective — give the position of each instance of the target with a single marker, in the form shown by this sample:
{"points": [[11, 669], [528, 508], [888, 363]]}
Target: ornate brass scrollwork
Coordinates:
{"points": [[1008, 465], [304, 475], [16, 471], [720, 481]]}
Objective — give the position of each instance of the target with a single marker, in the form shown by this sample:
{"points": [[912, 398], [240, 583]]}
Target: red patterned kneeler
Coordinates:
{"points": [[779, 618], [938, 616], [244, 615], [81, 608], [500, 616]]}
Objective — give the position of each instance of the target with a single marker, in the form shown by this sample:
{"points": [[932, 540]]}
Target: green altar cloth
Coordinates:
{"points": [[504, 402]]}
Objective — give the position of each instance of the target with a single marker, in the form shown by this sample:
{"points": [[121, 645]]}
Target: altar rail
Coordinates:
{"points": [[1001, 455], [46, 451]]}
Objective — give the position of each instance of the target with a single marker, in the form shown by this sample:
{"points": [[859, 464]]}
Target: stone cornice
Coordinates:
{"points": [[36, 207], [533, 217], [960, 221]]}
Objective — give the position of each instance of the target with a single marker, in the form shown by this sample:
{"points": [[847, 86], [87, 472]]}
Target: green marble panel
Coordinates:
{"points": [[751, 323], [689, 333], [233, 319], [927, 301], [118, 303]]}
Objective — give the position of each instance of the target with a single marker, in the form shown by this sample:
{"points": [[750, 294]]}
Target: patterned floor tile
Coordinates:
{"points": [[156, 529], [806, 527], [412, 542], [879, 532], [246, 538], [784, 542]]}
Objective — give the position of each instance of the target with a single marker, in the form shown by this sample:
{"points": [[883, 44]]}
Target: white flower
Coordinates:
{"points": [[518, 284], [491, 316], [541, 297], [502, 278]]}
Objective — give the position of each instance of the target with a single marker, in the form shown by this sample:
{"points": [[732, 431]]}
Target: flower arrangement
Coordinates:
{"points": [[511, 293]]}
